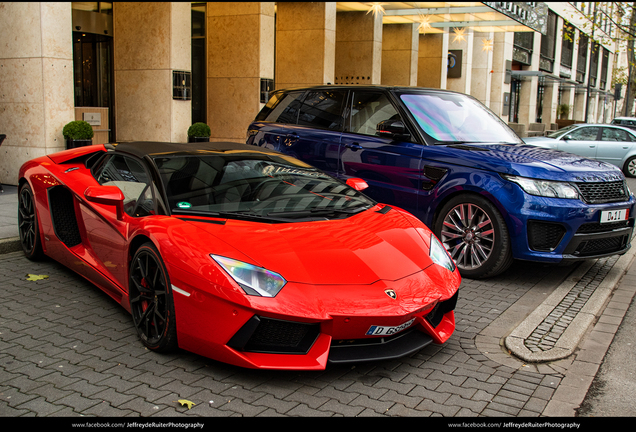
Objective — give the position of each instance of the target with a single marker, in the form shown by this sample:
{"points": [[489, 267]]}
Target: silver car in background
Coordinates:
{"points": [[628, 122], [608, 143]]}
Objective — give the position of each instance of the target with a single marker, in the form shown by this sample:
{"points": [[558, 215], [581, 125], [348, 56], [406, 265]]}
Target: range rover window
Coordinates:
{"points": [[281, 108], [369, 109], [322, 109], [454, 118]]}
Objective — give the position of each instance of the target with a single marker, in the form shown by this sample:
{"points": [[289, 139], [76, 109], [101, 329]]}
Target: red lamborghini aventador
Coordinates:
{"points": [[240, 254]]}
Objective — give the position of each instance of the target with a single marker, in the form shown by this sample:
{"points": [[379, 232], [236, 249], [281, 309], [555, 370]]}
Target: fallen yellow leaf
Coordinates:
{"points": [[32, 277], [186, 402]]}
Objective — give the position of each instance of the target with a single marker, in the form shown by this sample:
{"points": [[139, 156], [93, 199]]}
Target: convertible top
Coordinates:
{"points": [[153, 148]]}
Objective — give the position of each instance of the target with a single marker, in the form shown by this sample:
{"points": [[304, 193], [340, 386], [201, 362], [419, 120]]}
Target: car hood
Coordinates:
{"points": [[527, 161], [361, 249]]}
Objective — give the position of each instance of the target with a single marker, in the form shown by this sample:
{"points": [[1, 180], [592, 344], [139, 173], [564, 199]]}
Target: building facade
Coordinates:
{"points": [[146, 71]]}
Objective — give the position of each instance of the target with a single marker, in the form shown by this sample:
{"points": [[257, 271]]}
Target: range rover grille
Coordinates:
{"points": [[603, 192]]}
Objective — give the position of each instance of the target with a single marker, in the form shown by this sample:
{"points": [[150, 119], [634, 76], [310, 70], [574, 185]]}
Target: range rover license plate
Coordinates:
{"points": [[614, 215]]}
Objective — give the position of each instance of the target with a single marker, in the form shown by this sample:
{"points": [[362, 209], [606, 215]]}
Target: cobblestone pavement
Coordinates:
{"points": [[67, 349]]}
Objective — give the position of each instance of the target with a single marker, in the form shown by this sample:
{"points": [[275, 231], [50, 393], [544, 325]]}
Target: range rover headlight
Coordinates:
{"points": [[439, 255], [545, 188], [253, 280]]}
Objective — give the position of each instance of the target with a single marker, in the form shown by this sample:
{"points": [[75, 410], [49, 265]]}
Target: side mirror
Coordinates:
{"points": [[107, 195], [357, 183], [567, 138], [392, 129]]}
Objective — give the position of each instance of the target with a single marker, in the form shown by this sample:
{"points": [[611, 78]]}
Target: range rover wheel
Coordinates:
{"points": [[28, 225], [474, 233], [151, 300]]}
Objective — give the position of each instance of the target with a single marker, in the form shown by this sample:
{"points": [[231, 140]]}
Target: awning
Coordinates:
{"points": [[435, 17], [564, 83], [526, 74]]}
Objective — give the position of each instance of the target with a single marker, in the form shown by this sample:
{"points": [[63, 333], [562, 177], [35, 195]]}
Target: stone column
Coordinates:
{"points": [[550, 102], [36, 82], [432, 60], [400, 43], [529, 87], [481, 78], [501, 54], [240, 44], [463, 83], [151, 41], [358, 48], [305, 43]]}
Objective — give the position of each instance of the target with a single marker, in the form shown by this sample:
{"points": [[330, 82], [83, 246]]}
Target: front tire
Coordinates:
{"points": [[151, 300], [475, 235], [28, 225]]}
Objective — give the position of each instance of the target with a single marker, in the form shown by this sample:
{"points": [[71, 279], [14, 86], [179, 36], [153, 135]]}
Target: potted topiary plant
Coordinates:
{"points": [[78, 133], [563, 111], [199, 132]]}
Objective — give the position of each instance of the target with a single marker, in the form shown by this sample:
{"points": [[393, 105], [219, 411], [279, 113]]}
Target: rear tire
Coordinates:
{"points": [[151, 302], [475, 235], [28, 224]]}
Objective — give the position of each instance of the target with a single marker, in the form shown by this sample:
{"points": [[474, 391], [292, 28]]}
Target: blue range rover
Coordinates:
{"points": [[450, 161]]}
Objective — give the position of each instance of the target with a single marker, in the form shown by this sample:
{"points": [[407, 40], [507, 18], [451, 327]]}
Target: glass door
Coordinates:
{"points": [[93, 76]]}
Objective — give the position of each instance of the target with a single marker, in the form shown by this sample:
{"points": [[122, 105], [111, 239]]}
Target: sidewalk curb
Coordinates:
{"points": [[10, 245], [571, 337]]}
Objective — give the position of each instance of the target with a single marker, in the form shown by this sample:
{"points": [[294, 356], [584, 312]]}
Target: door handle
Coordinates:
{"points": [[353, 146]]}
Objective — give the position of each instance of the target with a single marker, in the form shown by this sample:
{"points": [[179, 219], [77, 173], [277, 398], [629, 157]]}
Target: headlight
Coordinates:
{"points": [[439, 255], [545, 188], [254, 280]]}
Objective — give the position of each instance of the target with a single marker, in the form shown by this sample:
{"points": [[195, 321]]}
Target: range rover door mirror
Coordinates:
{"points": [[392, 129]]}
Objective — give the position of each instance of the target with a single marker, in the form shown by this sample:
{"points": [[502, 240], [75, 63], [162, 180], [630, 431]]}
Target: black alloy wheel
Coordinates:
{"points": [[28, 224], [151, 300]]}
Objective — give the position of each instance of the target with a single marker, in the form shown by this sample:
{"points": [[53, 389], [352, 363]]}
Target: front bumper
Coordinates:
{"points": [[307, 326], [281, 344], [553, 230], [265, 342]]}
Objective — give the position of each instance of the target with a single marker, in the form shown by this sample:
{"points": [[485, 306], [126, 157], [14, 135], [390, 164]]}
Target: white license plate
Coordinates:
{"points": [[614, 215], [386, 331]]}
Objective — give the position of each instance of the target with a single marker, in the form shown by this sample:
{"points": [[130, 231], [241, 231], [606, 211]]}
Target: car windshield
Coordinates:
{"points": [[559, 133], [255, 186], [452, 118]]}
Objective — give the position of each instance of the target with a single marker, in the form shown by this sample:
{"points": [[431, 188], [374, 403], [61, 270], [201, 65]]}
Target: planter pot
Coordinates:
{"points": [[70, 143], [198, 139]]}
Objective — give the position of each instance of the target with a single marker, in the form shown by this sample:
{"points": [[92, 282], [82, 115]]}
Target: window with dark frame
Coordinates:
{"points": [[548, 42], [604, 66], [581, 62], [567, 48]]}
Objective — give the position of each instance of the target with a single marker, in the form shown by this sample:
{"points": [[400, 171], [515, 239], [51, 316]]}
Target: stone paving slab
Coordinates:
{"points": [[67, 349]]}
